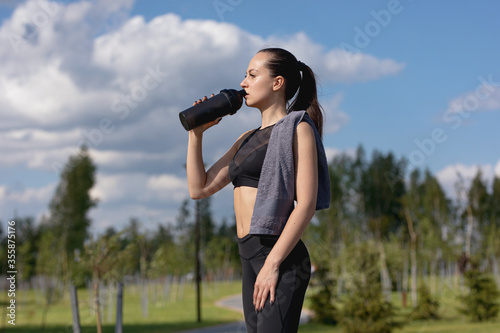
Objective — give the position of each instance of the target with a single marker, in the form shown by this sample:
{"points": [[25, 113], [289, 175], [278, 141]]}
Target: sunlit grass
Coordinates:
{"points": [[176, 312]]}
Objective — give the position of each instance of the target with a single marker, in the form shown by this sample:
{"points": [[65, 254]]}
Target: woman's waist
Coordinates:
{"points": [[244, 202]]}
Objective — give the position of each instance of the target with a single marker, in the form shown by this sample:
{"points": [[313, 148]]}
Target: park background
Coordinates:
{"points": [[411, 92]]}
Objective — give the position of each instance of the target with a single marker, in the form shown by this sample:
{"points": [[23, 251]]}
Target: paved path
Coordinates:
{"points": [[229, 328], [235, 303]]}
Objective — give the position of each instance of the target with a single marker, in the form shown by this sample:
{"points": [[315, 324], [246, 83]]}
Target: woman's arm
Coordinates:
{"points": [[203, 183], [306, 182]]}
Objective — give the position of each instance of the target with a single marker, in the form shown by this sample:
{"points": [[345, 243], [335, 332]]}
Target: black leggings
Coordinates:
{"points": [[295, 272]]}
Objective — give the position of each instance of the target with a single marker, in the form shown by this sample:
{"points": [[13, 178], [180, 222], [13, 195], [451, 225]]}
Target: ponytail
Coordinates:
{"points": [[282, 62], [307, 98]]}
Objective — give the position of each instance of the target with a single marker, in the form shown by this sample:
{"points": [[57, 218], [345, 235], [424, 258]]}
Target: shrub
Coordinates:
{"points": [[427, 307], [365, 309], [322, 306], [481, 302]]}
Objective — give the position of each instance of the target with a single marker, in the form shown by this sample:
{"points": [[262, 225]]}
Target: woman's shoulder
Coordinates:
{"points": [[304, 131]]}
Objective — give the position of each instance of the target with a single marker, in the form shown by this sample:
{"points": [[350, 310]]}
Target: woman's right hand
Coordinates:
{"points": [[202, 128]]}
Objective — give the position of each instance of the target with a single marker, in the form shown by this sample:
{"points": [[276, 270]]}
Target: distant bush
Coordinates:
{"points": [[365, 310], [481, 302], [427, 307], [322, 304]]}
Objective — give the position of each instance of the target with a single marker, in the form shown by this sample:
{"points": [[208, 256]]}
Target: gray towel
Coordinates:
{"points": [[276, 190]]}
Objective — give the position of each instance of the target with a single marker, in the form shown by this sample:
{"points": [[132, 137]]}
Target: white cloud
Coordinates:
{"points": [[70, 76], [109, 216], [337, 65], [335, 118], [450, 176], [152, 199], [139, 187], [54, 92], [485, 97], [20, 201], [331, 153]]}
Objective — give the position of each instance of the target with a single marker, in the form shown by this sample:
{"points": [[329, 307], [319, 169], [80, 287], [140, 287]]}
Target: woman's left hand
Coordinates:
{"points": [[265, 285]]}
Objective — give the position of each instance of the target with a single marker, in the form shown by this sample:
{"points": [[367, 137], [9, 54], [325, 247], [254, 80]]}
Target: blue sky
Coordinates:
{"points": [[418, 78]]}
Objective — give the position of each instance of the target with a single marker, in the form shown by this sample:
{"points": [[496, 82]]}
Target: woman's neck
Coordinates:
{"points": [[272, 114]]}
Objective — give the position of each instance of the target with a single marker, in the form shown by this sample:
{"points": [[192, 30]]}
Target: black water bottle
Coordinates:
{"points": [[228, 101]]}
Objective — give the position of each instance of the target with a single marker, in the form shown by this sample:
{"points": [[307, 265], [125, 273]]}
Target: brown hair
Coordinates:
{"points": [[283, 63]]}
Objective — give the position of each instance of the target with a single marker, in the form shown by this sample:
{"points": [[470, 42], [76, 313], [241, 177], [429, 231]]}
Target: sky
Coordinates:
{"points": [[420, 79]]}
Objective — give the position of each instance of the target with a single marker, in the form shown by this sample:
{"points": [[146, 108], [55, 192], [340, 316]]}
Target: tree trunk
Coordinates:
{"points": [[384, 271], [405, 280], [413, 256], [110, 303], [468, 237], [119, 308], [97, 306], [74, 308], [144, 298], [433, 277], [494, 267], [49, 294]]}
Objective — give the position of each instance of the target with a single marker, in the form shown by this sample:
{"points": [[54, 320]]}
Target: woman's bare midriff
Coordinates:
{"points": [[244, 200]]}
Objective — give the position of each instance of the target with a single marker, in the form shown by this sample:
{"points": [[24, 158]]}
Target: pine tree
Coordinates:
{"points": [[481, 303], [427, 307], [322, 304], [365, 310]]}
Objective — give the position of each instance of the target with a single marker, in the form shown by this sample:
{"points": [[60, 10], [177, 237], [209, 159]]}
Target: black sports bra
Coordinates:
{"points": [[246, 165]]}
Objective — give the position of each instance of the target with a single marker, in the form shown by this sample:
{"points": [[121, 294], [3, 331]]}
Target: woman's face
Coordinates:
{"points": [[258, 84]]}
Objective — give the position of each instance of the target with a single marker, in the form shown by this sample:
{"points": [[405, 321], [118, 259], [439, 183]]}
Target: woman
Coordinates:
{"points": [[280, 178]]}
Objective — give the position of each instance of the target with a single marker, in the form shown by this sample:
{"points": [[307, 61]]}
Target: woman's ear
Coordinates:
{"points": [[279, 81]]}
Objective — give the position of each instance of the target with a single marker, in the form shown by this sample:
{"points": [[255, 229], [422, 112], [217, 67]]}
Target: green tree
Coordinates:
{"points": [[493, 237], [412, 202], [478, 213], [332, 229], [322, 301], [481, 303], [435, 225], [70, 205], [427, 307], [107, 260], [207, 225], [27, 235], [427, 214], [48, 267], [184, 236], [381, 200], [365, 310]]}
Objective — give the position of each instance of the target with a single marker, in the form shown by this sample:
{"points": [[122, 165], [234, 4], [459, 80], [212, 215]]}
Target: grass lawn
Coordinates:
{"points": [[451, 320], [177, 312], [172, 314]]}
